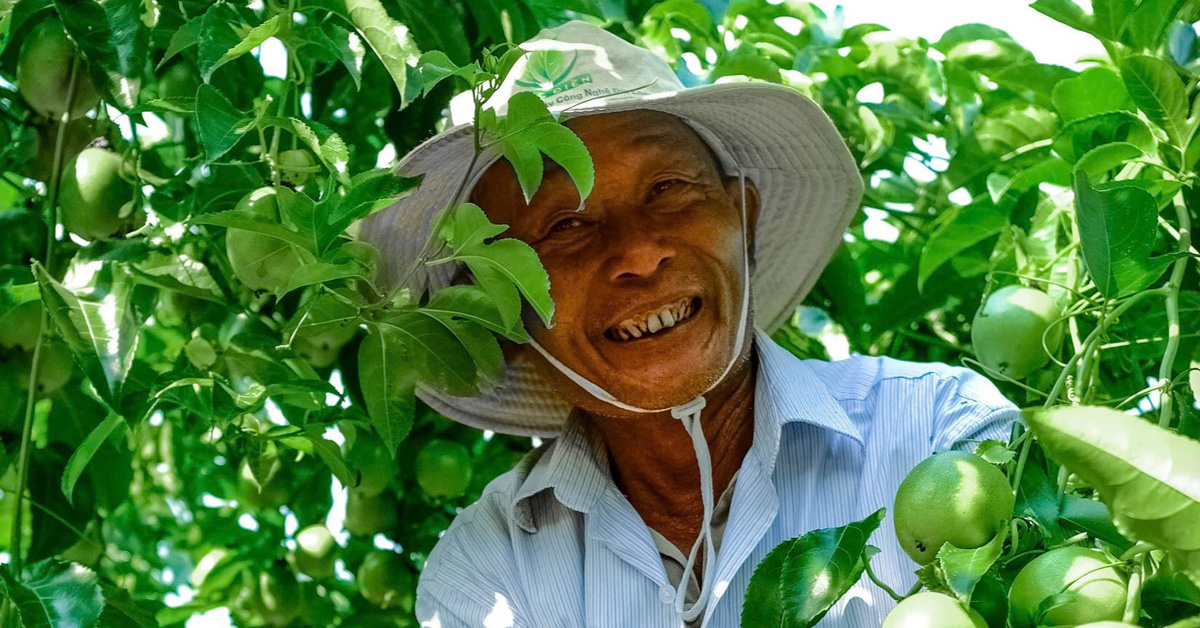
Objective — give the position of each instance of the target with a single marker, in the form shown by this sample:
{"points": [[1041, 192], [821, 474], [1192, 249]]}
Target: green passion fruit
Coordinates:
{"points": [[316, 551], [20, 326], [1007, 331], [951, 497], [296, 166], [278, 595], [443, 468], [96, 199], [260, 261], [44, 72], [932, 610], [178, 82], [368, 515], [1097, 589], [370, 458], [384, 579], [324, 329], [269, 495]]}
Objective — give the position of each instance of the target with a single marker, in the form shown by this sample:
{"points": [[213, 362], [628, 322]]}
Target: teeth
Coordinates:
{"points": [[662, 319]]}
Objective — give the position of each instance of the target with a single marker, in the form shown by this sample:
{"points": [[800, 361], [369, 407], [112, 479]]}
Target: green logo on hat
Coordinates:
{"points": [[548, 72]]}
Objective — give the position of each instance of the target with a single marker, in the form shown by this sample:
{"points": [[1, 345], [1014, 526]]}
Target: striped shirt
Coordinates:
{"points": [[554, 542]]}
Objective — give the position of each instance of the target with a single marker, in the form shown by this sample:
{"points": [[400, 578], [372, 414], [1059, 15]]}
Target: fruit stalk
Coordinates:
{"points": [[1133, 601], [31, 397], [1172, 287]]}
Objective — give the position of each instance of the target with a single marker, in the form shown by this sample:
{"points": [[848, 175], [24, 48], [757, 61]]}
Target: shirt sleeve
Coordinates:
{"points": [[969, 410], [468, 579]]}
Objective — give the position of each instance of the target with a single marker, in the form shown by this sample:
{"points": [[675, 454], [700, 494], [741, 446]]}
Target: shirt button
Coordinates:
{"points": [[666, 594]]}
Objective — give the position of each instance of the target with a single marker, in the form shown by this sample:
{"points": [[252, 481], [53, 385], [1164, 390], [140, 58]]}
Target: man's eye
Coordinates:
{"points": [[565, 224], [663, 186]]}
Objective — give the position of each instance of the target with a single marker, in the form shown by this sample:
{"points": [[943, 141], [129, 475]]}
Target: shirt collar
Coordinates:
{"points": [[576, 467]]}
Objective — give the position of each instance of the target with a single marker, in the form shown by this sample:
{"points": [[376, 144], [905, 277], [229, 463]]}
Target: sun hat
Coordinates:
{"points": [[808, 183]]}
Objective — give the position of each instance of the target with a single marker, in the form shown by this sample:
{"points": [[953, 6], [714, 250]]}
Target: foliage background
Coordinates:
{"points": [[998, 133]]}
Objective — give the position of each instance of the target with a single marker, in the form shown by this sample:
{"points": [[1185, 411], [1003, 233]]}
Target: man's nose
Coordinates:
{"points": [[638, 252]]}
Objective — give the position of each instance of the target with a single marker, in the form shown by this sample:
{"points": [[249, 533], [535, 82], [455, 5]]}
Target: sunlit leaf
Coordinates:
{"points": [[1147, 475], [1158, 92], [390, 40], [1117, 228], [801, 579]]}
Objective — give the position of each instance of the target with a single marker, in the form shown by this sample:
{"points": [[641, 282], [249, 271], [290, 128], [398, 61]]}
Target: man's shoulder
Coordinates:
{"points": [[860, 377]]}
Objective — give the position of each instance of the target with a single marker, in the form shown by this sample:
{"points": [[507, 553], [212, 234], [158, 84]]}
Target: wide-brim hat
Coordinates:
{"points": [[808, 183]]}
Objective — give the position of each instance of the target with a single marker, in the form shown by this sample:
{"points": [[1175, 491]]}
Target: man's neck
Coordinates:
{"points": [[654, 462]]}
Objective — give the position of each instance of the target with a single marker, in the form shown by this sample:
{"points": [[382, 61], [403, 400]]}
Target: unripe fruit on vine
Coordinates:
{"points": [[370, 458], [1100, 590], [272, 494], [44, 72], [296, 166], [951, 497], [384, 579], [20, 326], [316, 551], [278, 595], [55, 363], [370, 515], [260, 261], [1007, 330], [444, 468], [206, 564], [329, 324], [932, 610], [96, 201]]}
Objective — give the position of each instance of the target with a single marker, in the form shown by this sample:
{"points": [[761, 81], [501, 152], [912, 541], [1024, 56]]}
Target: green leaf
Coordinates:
{"points": [[336, 40], [465, 231], [368, 192], [1066, 12], [313, 441], [101, 329], [1095, 90], [1117, 225], [217, 37], [1158, 92], [995, 452], [235, 219], [961, 569], [54, 593], [438, 356], [387, 383], [472, 303], [220, 124], [389, 39], [113, 39], [82, 456], [251, 40], [959, 230], [1093, 517], [528, 131], [1147, 475], [328, 147], [1105, 157], [477, 340], [801, 579], [184, 37]]}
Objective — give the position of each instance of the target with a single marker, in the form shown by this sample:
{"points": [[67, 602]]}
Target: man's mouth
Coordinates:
{"points": [[654, 322]]}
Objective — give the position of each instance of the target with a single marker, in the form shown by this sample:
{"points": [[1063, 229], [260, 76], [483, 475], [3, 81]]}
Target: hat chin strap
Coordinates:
{"points": [[688, 413]]}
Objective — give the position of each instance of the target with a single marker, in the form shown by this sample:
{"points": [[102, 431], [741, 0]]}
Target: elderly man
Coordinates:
{"points": [[687, 444]]}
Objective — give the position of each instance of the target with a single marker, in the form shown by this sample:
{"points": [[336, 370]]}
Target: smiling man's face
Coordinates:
{"points": [[647, 279]]}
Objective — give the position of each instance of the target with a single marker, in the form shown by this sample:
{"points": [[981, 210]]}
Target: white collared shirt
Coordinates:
{"points": [[554, 542]]}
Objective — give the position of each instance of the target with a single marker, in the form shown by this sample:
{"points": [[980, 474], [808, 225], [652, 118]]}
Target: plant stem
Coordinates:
{"points": [[1133, 599], [35, 367], [1173, 285], [879, 583]]}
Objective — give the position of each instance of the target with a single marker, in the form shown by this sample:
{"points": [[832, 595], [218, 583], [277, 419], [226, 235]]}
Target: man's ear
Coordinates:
{"points": [[733, 187]]}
